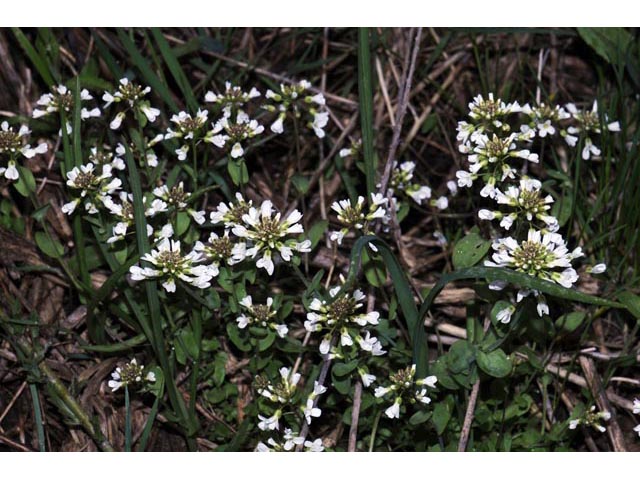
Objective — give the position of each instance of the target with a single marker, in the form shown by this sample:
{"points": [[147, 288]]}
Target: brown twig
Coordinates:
{"points": [[595, 385], [355, 416], [468, 417], [403, 101]]}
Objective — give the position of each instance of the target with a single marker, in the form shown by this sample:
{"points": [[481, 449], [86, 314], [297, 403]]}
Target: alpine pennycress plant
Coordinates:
{"points": [[238, 305]]}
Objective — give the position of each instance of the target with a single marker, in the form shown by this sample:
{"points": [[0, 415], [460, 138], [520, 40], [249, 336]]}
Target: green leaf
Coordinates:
{"points": [[238, 171], [267, 341], [316, 232], [26, 184], [495, 363], [611, 43], [365, 99], [419, 417], [236, 339], [117, 347], [632, 302], [373, 268], [460, 356], [469, 250], [49, 246], [441, 416], [301, 183], [40, 213], [342, 369], [36, 59], [182, 222], [570, 321]]}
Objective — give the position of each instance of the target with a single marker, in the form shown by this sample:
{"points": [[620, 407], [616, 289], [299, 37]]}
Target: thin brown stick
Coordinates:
{"points": [[595, 385], [355, 416], [12, 402], [16, 445], [403, 101], [468, 417]]}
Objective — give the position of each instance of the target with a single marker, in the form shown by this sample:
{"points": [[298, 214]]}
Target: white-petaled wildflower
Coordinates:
{"points": [[231, 214], [527, 203], [545, 118], [267, 235], [592, 419], [105, 156], [340, 317], [270, 423], [491, 110], [504, 315], [354, 216], [281, 392], [174, 199], [353, 150], [587, 123], [132, 96], [540, 255], [597, 269], [187, 128], [232, 132], [170, 265], [261, 315], [405, 389], [94, 187], [123, 212], [233, 96], [130, 374], [219, 250], [12, 146], [61, 99], [366, 378], [297, 100], [315, 446], [636, 406]]}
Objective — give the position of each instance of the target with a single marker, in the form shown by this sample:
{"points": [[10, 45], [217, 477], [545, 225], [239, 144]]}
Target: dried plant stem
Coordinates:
{"points": [[468, 417], [355, 416], [403, 101]]}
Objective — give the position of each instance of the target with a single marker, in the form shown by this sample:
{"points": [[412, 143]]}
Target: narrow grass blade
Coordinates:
{"points": [[365, 99], [174, 67], [36, 59], [37, 411], [147, 72]]}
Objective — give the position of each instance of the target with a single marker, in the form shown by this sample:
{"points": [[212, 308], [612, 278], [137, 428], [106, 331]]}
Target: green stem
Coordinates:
{"points": [[38, 416], [127, 420], [376, 421]]}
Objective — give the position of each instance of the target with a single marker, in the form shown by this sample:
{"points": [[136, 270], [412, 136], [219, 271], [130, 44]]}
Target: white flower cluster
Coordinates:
{"points": [[404, 388], [636, 410], [592, 419], [130, 374], [402, 181], [170, 265], [494, 144], [61, 100], [297, 99], [261, 315], [354, 217], [284, 395], [340, 317], [132, 96], [12, 146]]}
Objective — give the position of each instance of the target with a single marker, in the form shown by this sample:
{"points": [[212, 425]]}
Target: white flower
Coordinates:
{"points": [[504, 315], [573, 424], [315, 446], [367, 378], [270, 423], [278, 125], [596, 269], [394, 410], [465, 179], [442, 203], [311, 411]]}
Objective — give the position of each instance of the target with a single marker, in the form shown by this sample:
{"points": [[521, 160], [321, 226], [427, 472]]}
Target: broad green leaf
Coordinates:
{"points": [[495, 363], [342, 369], [632, 302], [49, 246], [441, 416], [570, 321], [420, 417], [611, 43], [469, 250], [316, 232]]}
